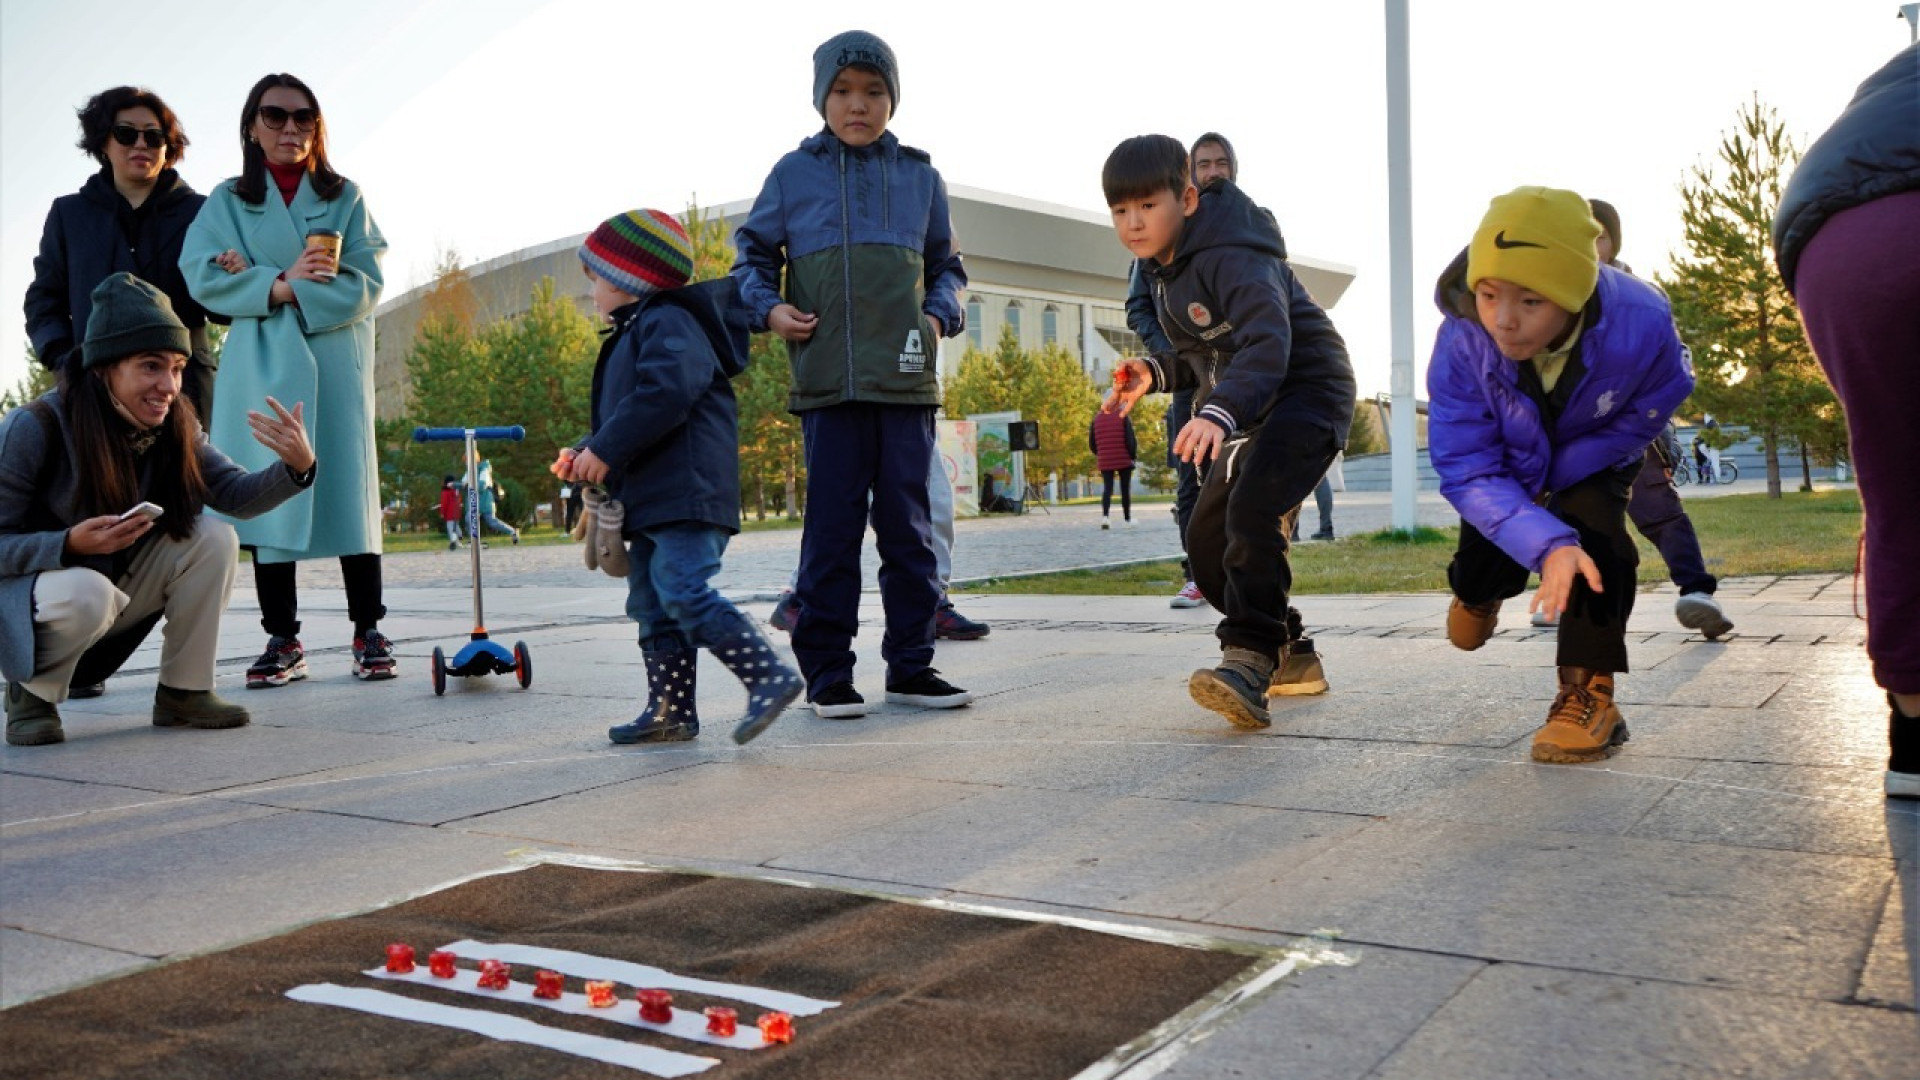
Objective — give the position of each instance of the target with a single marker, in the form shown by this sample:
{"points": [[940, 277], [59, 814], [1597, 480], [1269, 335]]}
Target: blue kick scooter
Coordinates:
{"points": [[479, 656]]}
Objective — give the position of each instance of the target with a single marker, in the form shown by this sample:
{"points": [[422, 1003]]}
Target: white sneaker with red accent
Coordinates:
{"points": [[1188, 597]]}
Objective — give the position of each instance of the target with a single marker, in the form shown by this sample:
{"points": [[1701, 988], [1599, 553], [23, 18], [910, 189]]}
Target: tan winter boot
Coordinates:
{"points": [[1470, 625], [1583, 724]]}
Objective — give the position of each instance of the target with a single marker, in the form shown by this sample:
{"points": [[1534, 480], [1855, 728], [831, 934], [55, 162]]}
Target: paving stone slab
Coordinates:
{"points": [[1330, 1023], [163, 880], [1517, 1022], [1892, 972], [1794, 808], [446, 782], [33, 798], [1151, 857], [1769, 735], [34, 964], [737, 812], [181, 760], [1776, 921]]}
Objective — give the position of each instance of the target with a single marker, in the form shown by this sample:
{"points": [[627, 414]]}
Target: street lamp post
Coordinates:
{"points": [[1911, 13]]}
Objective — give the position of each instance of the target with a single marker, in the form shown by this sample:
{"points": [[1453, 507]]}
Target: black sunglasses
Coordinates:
{"points": [[276, 117], [127, 135]]}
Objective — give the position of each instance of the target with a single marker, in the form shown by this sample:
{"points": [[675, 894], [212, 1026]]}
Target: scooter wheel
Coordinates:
{"points": [[522, 664], [439, 672]]}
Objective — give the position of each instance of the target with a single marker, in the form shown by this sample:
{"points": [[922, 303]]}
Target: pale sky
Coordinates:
{"points": [[486, 126]]}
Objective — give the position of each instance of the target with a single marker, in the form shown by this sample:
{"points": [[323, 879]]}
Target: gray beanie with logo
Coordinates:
{"points": [[844, 51], [130, 316]]}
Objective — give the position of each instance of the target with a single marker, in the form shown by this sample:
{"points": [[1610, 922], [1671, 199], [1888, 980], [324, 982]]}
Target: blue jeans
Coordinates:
{"points": [[669, 567]]}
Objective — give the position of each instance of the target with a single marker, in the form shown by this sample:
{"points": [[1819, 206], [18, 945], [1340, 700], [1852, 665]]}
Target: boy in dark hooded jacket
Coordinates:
{"points": [[1550, 376], [1273, 396], [666, 444]]}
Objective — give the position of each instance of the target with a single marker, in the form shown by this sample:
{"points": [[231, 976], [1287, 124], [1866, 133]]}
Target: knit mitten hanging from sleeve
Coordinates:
{"points": [[610, 548], [587, 528]]}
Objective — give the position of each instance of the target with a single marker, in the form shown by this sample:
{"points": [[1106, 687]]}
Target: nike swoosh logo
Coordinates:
{"points": [[1500, 241]]}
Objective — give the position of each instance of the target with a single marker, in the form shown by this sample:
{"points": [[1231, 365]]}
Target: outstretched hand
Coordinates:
{"points": [[1131, 378], [284, 434], [1557, 574]]}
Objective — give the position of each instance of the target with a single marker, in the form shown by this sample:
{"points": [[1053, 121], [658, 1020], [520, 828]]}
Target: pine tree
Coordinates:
{"points": [[1751, 361]]}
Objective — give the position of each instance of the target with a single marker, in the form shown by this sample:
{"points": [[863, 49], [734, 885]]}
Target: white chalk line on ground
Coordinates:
{"points": [[239, 794]]}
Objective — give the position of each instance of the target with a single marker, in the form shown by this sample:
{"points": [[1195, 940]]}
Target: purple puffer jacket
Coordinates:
{"points": [[1488, 439]]}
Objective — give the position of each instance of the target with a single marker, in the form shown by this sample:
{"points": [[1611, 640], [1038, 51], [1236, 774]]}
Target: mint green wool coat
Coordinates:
{"points": [[320, 353]]}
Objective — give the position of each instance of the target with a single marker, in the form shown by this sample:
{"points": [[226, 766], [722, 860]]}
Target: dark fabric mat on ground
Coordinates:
{"points": [[925, 993]]}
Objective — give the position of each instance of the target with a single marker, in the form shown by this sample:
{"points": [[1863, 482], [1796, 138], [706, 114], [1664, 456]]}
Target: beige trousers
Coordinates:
{"points": [[188, 580]]}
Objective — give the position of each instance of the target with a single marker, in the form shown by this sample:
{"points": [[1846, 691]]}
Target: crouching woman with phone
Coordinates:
{"points": [[102, 484]]}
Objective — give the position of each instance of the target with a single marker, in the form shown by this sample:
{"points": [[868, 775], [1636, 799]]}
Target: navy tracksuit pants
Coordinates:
{"points": [[866, 463]]}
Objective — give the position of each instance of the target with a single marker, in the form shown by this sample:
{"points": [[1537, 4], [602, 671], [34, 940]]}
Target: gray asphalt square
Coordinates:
{"points": [[1789, 807], [33, 964], [190, 760]]}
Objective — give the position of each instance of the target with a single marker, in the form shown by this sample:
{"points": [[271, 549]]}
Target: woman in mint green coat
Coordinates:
{"points": [[302, 331]]}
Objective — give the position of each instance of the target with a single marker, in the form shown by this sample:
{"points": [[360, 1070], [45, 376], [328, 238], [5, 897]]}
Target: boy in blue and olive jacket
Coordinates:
{"points": [[859, 224]]}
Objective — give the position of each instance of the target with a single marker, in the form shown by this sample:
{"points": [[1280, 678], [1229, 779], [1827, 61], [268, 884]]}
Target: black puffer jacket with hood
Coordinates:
{"points": [[1247, 338]]}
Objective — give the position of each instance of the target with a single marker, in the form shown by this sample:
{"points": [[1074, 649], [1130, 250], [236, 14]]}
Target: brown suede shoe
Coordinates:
{"points": [[1583, 724], [1470, 625]]}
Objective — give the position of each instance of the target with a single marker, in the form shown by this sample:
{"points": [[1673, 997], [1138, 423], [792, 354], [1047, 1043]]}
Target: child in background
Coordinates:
{"points": [[857, 225], [666, 444], [1111, 440], [450, 511], [1550, 376]]}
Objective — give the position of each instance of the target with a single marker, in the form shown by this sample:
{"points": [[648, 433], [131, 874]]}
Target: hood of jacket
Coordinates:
{"points": [[715, 307], [168, 188], [1225, 218]]}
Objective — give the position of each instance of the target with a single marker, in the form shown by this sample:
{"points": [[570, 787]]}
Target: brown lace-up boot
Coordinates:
{"points": [[1470, 625], [1583, 724]]}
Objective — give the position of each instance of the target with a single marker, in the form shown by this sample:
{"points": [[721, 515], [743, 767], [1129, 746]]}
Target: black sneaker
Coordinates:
{"points": [[928, 689], [839, 702], [372, 656], [283, 662], [953, 626], [91, 690]]}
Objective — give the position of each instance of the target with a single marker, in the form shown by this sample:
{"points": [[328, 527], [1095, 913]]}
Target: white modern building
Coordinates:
{"points": [[1056, 274]]}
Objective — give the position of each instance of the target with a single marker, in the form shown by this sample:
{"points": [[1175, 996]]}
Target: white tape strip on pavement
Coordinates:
{"points": [[587, 966], [686, 1024], [648, 1059]]}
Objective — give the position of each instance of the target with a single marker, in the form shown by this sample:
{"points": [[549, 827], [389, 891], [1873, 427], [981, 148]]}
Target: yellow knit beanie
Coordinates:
{"points": [[1541, 239]]}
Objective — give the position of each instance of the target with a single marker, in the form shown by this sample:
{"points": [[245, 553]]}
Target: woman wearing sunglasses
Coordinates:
{"points": [[131, 215], [302, 331]]}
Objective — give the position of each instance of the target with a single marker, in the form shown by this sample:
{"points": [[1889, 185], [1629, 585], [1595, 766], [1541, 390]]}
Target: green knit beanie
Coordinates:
{"points": [[130, 316]]}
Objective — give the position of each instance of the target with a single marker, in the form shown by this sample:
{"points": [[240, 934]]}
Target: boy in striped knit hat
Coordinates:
{"points": [[666, 445]]}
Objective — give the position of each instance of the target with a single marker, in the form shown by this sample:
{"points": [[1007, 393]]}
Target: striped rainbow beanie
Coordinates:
{"points": [[639, 252]]}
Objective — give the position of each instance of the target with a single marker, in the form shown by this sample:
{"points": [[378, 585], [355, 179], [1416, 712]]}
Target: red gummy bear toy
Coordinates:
{"points": [[722, 1021], [547, 984], [776, 1027], [656, 1006], [440, 963], [494, 974], [399, 958], [600, 995]]}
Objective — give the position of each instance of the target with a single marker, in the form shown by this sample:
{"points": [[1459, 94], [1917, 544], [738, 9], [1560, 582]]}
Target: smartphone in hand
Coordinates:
{"points": [[147, 510]]}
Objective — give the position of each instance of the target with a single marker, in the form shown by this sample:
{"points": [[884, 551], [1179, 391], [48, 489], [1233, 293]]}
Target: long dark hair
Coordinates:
{"points": [[96, 121], [110, 478], [253, 183]]}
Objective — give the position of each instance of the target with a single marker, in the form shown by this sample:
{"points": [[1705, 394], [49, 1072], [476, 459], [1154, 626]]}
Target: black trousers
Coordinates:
{"points": [[1593, 629], [275, 585], [1126, 492], [1237, 539], [1187, 491]]}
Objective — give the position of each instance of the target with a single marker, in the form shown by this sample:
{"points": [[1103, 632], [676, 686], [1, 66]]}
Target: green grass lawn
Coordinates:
{"points": [[1741, 535]]}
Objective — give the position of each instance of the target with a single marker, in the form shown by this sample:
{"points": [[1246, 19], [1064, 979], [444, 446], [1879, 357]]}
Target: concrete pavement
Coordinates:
{"points": [[1731, 895]]}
